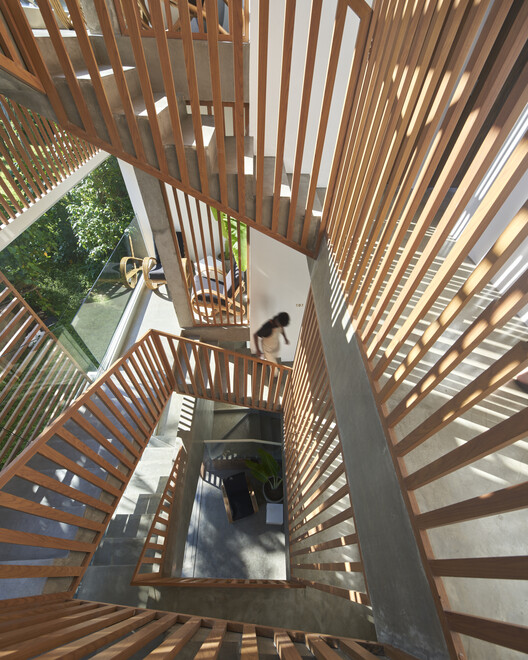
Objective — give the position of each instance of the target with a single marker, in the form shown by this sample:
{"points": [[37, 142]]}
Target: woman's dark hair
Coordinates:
{"points": [[283, 318]]}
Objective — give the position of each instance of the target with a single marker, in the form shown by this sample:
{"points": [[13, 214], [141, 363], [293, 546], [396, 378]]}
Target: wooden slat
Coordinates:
{"points": [[211, 647], [355, 651], [235, 9], [25, 472], [66, 65], [62, 461], [192, 81], [79, 648], [176, 641], [93, 69], [170, 91], [337, 37], [512, 498], [138, 640], [42, 541], [263, 24], [497, 568], [500, 372], [432, 148], [494, 439], [495, 632], [49, 640], [249, 646], [25, 506], [285, 647], [494, 316], [320, 648], [115, 61], [289, 21], [315, 19]]}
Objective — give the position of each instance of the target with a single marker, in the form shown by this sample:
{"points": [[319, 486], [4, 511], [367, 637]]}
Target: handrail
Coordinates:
{"points": [[89, 453]]}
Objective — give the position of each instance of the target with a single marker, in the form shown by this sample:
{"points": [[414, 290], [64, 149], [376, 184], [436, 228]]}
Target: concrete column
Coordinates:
{"points": [[403, 606], [148, 192]]}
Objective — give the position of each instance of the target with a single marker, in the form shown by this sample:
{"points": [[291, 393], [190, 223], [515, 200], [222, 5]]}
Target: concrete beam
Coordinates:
{"points": [[403, 606]]}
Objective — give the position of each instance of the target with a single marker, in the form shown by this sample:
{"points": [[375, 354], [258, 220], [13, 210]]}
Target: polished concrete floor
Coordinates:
{"points": [[245, 549]]}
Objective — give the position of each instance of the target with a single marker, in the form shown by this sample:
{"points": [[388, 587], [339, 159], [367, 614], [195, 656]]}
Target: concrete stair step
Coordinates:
{"points": [[267, 197], [88, 91]]}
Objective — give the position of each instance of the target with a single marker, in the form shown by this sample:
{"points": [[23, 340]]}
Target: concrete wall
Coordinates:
{"points": [[403, 606], [193, 440], [279, 282]]}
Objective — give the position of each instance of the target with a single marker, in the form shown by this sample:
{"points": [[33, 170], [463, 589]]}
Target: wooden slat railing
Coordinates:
{"points": [[201, 13], [35, 155], [203, 241], [422, 174], [324, 546], [214, 373], [57, 497], [61, 627], [140, 117], [39, 378]]}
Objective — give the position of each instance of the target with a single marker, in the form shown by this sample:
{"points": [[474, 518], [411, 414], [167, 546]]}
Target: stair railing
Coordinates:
{"points": [[249, 183], [58, 496], [198, 12], [77, 628]]}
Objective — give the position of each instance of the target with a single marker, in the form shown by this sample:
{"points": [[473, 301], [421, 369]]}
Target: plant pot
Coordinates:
{"points": [[273, 495]]}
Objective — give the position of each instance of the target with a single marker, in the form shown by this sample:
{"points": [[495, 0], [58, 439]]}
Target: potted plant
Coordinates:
{"points": [[267, 471]]}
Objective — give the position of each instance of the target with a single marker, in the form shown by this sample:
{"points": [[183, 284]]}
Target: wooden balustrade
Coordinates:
{"points": [[202, 15], [35, 155], [139, 116], [39, 377], [424, 137], [72, 476], [55, 625], [216, 288], [318, 492]]}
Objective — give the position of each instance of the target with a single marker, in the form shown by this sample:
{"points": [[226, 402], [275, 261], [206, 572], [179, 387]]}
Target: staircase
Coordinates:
{"points": [[141, 116]]}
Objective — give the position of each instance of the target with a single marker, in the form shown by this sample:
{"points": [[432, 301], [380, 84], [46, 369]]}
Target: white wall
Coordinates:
{"points": [[300, 41], [279, 282]]}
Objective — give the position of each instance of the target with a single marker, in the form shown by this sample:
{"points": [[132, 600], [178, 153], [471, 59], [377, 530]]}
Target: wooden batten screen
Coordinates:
{"points": [[38, 377], [35, 155], [213, 252], [217, 374], [58, 496], [273, 180], [200, 16], [62, 627], [324, 545], [427, 222]]}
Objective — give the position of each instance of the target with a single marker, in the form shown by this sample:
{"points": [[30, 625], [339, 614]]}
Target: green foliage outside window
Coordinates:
{"points": [[55, 261]]}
